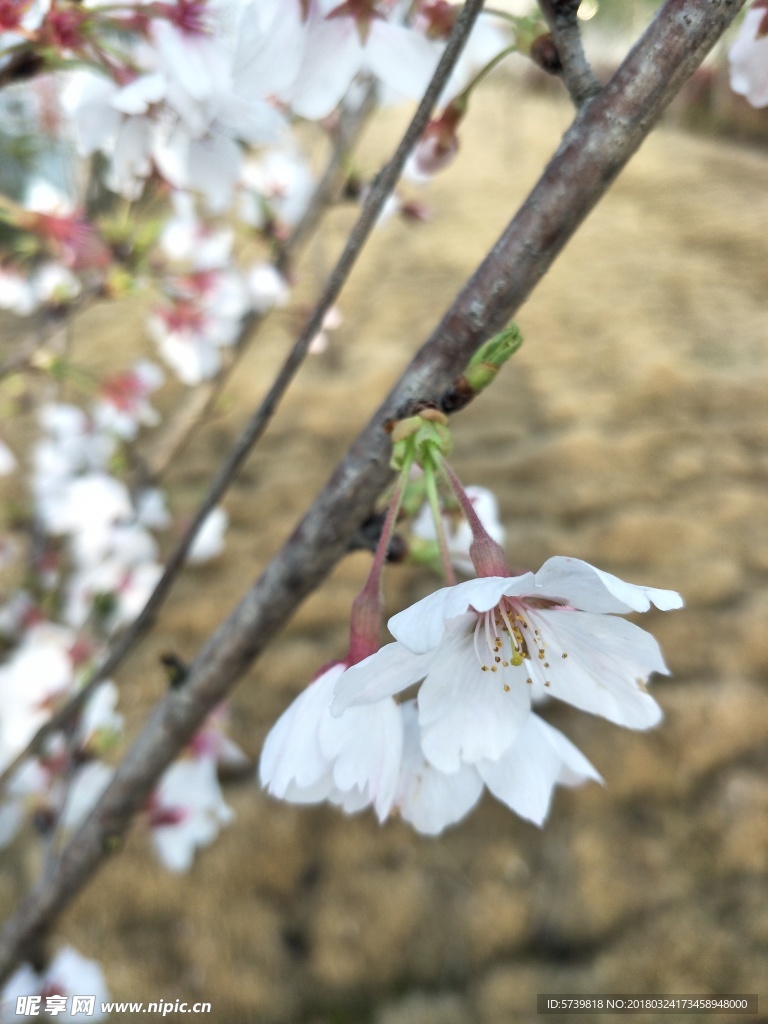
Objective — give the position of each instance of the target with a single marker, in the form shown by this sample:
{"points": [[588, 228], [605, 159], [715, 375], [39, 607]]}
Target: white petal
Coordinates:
{"points": [[579, 584], [524, 777], [214, 167], [402, 58], [391, 669], [607, 662], [420, 628], [292, 757], [332, 58], [749, 60], [465, 713], [365, 745], [270, 47], [426, 797], [136, 97]]}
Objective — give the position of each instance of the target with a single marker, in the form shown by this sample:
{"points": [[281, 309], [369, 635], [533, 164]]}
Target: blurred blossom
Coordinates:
{"points": [[123, 405], [209, 541], [267, 287], [7, 459], [68, 974], [277, 185], [749, 57], [187, 811], [37, 674]]}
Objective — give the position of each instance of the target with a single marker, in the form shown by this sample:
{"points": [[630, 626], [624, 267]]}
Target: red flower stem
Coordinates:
{"points": [[437, 516], [487, 556], [368, 606]]}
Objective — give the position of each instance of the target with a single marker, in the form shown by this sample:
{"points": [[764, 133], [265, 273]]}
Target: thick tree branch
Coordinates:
{"points": [[603, 137], [579, 78]]}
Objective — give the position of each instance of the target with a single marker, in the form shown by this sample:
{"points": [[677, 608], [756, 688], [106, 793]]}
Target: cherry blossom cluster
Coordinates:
{"points": [[197, 101], [421, 726], [96, 562]]}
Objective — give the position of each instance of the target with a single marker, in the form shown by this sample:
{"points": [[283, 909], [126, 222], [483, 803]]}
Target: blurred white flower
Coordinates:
{"points": [[748, 57], [7, 459], [209, 541], [68, 974], [37, 673], [187, 811], [267, 287]]}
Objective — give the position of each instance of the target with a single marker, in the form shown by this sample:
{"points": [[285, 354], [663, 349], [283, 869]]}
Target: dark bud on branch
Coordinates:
{"points": [[544, 54]]}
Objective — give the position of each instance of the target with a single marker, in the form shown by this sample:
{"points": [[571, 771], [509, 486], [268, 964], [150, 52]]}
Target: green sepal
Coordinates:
{"points": [[423, 439]]}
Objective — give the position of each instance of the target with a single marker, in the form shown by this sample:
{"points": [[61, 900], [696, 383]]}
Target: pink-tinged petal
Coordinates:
{"points": [[524, 777], [391, 669], [467, 714], [426, 797], [579, 584], [332, 58], [402, 58], [607, 661], [421, 627]]}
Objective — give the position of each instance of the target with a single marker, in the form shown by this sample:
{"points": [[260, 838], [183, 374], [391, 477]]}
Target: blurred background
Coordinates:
{"points": [[629, 431]]}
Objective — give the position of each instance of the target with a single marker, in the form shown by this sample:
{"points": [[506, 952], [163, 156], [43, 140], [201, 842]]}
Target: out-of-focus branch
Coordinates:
{"points": [[380, 191], [350, 126], [603, 137], [579, 78]]}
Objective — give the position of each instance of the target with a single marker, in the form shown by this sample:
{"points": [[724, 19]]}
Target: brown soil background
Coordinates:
{"points": [[630, 431]]}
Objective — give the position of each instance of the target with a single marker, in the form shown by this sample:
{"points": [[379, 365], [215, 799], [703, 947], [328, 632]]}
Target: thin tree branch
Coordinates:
{"points": [[601, 140], [351, 124], [579, 78], [380, 191]]}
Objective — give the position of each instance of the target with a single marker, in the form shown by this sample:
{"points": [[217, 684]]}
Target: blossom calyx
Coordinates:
{"points": [[422, 438]]}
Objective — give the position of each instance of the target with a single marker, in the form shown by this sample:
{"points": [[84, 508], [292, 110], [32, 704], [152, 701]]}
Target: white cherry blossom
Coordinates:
{"points": [[481, 645], [352, 760]]}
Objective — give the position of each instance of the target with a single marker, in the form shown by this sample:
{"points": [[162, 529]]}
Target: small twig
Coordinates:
{"points": [[351, 124], [605, 134], [381, 189], [579, 78]]}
